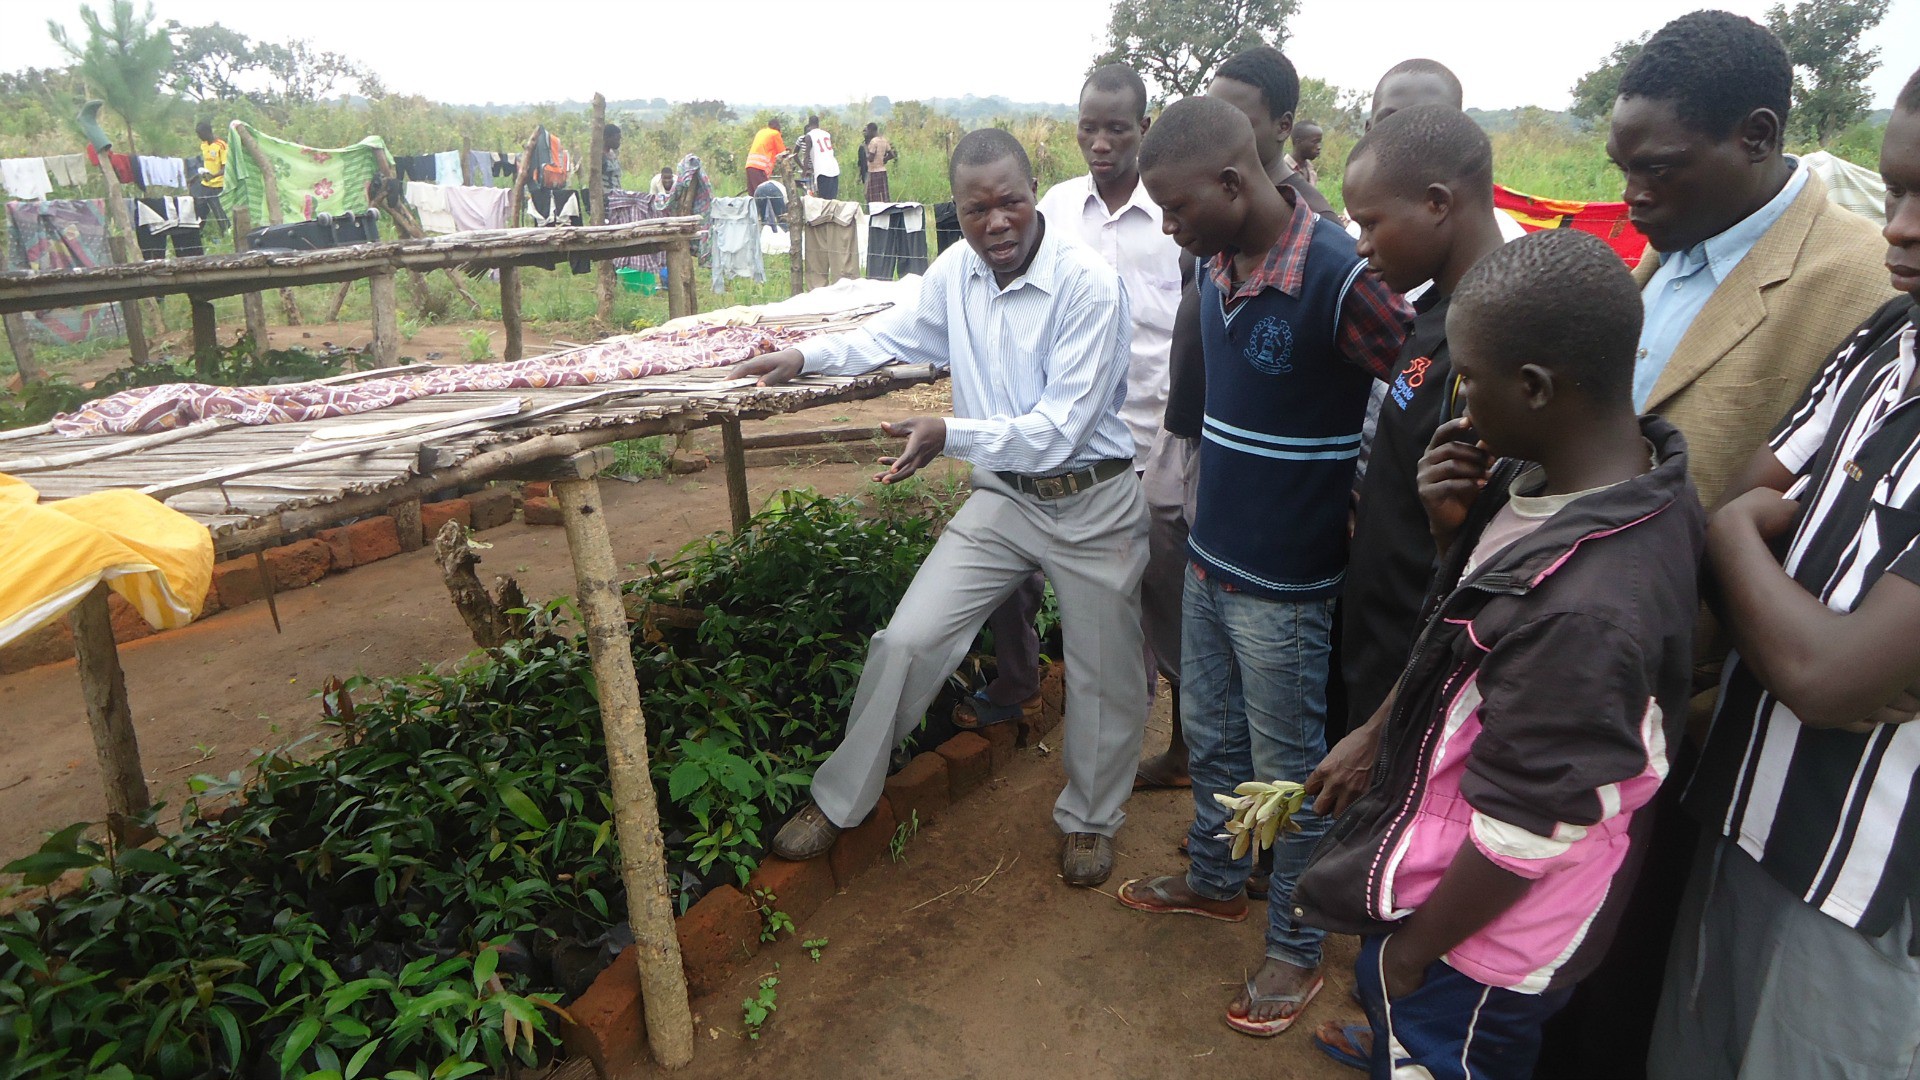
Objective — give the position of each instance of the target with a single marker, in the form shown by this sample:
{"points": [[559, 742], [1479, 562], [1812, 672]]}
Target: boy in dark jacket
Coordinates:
{"points": [[1533, 717]]}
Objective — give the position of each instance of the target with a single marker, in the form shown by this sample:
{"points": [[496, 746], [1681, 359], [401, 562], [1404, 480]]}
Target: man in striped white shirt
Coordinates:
{"points": [[1034, 331], [1798, 948]]}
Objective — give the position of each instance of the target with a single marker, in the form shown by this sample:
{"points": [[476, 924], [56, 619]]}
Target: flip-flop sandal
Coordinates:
{"points": [[977, 712], [1157, 901], [1348, 1054], [1267, 1029]]}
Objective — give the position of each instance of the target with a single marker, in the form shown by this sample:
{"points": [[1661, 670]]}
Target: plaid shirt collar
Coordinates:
{"points": [[1285, 266]]}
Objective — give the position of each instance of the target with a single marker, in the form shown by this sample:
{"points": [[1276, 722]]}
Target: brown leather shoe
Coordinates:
{"points": [[807, 836], [1086, 858]]}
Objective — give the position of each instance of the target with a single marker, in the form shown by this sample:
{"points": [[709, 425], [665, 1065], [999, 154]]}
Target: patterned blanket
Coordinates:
{"points": [[634, 356], [1606, 220], [311, 182]]}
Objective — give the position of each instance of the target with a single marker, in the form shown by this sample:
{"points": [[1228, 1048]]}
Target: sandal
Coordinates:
{"points": [[978, 712], [1347, 1050], [1267, 1029], [1150, 895]]}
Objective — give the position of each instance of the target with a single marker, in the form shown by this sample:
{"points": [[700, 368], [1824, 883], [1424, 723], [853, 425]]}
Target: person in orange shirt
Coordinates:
{"points": [[768, 146]]}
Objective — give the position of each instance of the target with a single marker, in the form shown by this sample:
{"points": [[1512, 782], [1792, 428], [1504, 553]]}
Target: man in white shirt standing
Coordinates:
{"points": [[1035, 331], [823, 168]]}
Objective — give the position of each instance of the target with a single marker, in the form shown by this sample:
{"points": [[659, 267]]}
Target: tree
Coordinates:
{"points": [[210, 61], [1333, 108], [302, 73], [1830, 68], [124, 60], [213, 63], [1593, 95], [1177, 44]]}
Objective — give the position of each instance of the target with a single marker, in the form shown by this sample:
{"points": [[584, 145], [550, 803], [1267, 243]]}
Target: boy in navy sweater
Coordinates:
{"points": [[1294, 331]]}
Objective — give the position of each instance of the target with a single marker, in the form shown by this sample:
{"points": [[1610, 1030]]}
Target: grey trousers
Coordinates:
{"points": [[1092, 547], [1763, 986], [1173, 473]]}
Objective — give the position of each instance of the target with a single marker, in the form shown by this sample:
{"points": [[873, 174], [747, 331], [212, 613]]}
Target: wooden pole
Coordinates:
{"points": [[510, 312], [597, 199], [276, 211], [736, 458], [30, 370], [680, 271], [520, 172], [466, 161], [206, 338], [796, 217], [109, 718], [636, 817], [386, 319], [406, 525], [119, 235], [251, 304]]}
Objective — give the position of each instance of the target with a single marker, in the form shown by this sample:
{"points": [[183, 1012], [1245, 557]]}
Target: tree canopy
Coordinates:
{"points": [[1593, 95], [1177, 44], [125, 61], [1830, 68]]}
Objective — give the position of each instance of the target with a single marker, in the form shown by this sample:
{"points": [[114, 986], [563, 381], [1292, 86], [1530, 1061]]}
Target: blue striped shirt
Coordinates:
{"points": [[1039, 368]]}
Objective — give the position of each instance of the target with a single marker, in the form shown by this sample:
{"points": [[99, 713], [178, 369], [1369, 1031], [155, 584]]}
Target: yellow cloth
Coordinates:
{"points": [[52, 555], [213, 158]]}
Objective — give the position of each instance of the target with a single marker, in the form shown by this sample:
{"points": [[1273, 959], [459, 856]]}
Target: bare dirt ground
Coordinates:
{"points": [[1023, 977]]}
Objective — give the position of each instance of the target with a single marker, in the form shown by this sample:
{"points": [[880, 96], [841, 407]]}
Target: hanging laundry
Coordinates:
{"points": [[736, 242], [554, 207], [63, 234], [67, 170], [168, 217], [475, 208], [163, 171], [430, 202], [123, 170], [832, 240], [507, 165], [25, 178], [552, 166], [896, 240], [692, 197], [311, 181], [480, 164], [627, 207], [446, 168], [414, 167], [946, 225]]}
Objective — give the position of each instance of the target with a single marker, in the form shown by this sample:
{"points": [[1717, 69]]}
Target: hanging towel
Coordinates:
{"points": [[122, 164], [163, 171], [736, 242], [480, 164], [430, 202], [67, 170], [446, 168], [25, 178], [312, 181], [832, 240], [474, 208]]}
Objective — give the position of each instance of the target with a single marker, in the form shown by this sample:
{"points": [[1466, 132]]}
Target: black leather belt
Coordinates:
{"points": [[1068, 483]]}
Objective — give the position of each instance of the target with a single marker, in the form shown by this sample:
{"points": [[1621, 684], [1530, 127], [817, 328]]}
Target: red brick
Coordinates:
{"points": [[299, 564], [433, 516], [373, 539], [492, 507], [861, 847], [1053, 692], [919, 789], [239, 581], [969, 756], [210, 605], [128, 625], [339, 547], [50, 644], [537, 489], [798, 888], [716, 936], [607, 1027], [541, 510], [1003, 738]]}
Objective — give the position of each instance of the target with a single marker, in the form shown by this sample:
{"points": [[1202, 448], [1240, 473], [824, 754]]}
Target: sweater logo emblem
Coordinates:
{"points": [[1270, 346]]}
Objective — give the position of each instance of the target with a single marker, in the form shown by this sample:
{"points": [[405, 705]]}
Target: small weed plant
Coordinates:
{"points": [[910, 828], [813, 947], [755, 1011]]}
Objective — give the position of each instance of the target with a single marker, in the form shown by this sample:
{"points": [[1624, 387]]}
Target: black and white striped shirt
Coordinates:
{"points": [[1831, 814]]}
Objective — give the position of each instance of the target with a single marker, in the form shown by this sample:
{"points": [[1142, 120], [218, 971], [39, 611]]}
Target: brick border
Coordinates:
{"points": [[721, 932]]}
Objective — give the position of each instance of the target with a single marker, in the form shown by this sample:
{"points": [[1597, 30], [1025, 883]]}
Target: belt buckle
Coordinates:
{"points": [[1050, 487]]}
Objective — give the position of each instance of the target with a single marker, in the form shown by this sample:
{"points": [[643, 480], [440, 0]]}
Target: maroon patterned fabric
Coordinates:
{"points": [[174, 405]]}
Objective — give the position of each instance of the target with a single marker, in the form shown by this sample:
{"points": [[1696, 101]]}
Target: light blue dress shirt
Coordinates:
{"points": [[1686, 280], [1039, 368]]}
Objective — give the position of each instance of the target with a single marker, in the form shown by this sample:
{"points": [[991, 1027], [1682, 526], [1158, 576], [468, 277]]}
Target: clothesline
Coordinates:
{"points": [[29, 178]]}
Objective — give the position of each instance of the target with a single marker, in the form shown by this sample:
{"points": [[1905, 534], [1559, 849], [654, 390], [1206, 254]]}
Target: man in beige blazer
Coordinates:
{"points": [[1752, 274]]}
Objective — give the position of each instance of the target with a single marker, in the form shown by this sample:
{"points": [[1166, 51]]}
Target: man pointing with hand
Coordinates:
{"points": [[1034, 331]]}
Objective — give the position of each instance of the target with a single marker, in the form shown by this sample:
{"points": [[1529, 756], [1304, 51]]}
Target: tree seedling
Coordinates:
{"points": [[755, 1010], [813, 947]]}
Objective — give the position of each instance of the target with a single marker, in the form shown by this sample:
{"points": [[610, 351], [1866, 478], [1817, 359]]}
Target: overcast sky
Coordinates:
{"points": [[1507, 52]]}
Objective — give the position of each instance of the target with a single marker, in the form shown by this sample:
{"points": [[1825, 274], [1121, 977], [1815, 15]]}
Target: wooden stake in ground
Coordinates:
{"points": [[108, 716], [206, 335], [251, 304], [796, 216], [736, 458], [597, 215], [515, 347], [119, 236], [30, 372], [636, 817], [276, 213], [681, 297]]}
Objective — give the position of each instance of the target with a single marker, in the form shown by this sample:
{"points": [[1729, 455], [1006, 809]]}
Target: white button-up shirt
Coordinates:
{"points": [[1039, 368], [1148, 261]]}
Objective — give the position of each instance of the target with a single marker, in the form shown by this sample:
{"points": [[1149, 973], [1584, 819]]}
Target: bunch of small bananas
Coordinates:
{"points": [[1260, 812]]}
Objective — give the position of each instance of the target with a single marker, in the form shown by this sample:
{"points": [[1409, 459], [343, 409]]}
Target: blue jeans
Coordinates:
{"points": [[1253, 703]]}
